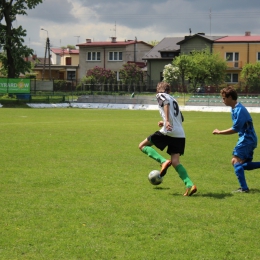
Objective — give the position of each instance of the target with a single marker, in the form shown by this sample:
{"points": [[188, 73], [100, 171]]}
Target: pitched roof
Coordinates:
{"points": [[201, 35], [37, 60], [64, 51], [239, 39], [111, 43], [167, 44]]}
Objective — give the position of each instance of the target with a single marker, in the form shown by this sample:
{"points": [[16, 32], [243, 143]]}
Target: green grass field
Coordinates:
{"points": [[73, 185]]}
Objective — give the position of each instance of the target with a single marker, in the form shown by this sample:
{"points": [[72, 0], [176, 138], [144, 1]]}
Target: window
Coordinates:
{"points": [[232, 77], [93, 55], [258, 56], [115, 56], [161, 76], [71, 75], [68, 60], [232, 56], [168, 54]]}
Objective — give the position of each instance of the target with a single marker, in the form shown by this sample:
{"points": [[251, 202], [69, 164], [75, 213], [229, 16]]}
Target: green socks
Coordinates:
{"points": [[179, 168], [184, 175], [153, 154]]}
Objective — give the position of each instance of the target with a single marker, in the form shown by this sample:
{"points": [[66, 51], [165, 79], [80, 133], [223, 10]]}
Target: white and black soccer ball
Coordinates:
{"points": [[155, 178]]}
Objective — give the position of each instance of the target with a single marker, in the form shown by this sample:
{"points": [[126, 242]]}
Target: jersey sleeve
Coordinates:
{"points": [[162, 100]]}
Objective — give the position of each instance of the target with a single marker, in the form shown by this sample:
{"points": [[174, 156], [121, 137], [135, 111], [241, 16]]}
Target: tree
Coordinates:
{"points": [[131, 73], [183, 63], [101, 75], [153, 42], [11, 38], [251, 75], [69, 46], [170, 73], [200, 68]]}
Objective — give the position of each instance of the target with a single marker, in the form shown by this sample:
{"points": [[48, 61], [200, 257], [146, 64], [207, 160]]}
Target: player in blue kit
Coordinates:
{"points": [[247, 139], [171, 135]]}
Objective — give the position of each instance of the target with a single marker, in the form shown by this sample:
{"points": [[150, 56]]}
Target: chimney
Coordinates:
{"points": [[113, 39], [88, 40], [247, 33]]}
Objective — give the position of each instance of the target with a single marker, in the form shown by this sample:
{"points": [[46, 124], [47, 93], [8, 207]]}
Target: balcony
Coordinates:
{"points": [[234, 64]]}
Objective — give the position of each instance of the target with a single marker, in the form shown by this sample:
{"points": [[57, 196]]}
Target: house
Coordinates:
{"points": [[66, 61], [160, 55], [238, 51], [63, 64], [169, 48], [197, 42], [110, 54]]}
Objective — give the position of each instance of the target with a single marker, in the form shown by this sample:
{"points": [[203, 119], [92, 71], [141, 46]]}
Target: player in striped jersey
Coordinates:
{"points": [[171, 135]]}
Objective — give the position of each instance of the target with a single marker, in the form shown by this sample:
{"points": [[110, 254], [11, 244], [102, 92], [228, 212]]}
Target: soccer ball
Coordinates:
{"points": [[154, 177]]}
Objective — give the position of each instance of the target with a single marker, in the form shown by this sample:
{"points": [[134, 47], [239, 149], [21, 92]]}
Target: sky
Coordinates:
{"points": [[69, 22]]}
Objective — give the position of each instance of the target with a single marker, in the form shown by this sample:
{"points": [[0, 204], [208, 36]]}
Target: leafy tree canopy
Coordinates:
{"points": [[199, 67], [251, 75], [101, 75], [131, 73], [71, 47], [153, 42], [11, 38]]}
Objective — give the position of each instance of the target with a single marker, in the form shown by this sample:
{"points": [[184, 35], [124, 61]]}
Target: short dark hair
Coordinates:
{"points": [[229, 91]]}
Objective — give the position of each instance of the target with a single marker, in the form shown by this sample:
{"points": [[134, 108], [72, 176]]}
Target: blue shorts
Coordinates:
{"points": [[244, 151]]}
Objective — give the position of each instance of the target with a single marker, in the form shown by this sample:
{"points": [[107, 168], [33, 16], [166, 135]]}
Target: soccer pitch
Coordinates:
{"points": [[74, 185]]}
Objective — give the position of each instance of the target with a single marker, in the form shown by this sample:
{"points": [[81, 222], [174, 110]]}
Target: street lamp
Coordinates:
{"points": [[47, 48], [45, 31]]}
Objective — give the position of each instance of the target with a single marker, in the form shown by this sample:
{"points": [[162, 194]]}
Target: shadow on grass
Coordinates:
{"points": [[218, 195], [161, 188], [254, 191], [209, 194]]}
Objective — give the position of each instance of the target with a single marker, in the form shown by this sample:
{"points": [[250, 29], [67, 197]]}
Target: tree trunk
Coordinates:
{"points": [[10, 59]]}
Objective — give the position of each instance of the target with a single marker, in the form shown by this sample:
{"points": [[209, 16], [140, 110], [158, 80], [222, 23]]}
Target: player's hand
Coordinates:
{"points": [[160, 123], [168, 126], [215, 132]]}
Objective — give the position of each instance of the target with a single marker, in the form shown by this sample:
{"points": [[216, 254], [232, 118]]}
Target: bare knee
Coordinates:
{"points": [[233, 161], [175, 163], [143, 144]]}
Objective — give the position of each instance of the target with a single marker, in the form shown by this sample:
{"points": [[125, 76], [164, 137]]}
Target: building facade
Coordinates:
{"points": [[237, 51], [110, 55]]}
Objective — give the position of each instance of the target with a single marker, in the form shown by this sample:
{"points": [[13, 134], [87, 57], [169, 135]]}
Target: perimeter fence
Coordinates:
{"points": [[183, 99]]}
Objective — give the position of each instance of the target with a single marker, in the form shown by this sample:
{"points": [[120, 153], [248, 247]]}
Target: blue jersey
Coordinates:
{"points": [[243, 125]]}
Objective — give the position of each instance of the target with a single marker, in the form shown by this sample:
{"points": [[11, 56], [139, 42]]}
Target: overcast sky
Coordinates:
{"points": [[73, 21]]}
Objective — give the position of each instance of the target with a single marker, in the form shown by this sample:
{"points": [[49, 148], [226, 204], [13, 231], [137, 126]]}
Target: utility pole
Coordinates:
{"points": [[47, 49], [210, 21], [49, 56]]}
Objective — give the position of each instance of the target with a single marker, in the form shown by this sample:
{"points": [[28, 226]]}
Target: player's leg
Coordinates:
{"points": [[251, 165], [176, 149], [239, 171], [146, 147], [241, 154], [248, 164], [183, 174]]}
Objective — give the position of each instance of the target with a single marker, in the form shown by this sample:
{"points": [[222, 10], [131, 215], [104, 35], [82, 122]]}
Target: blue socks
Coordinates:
{"points": [[239, 171], [251, 165]]}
